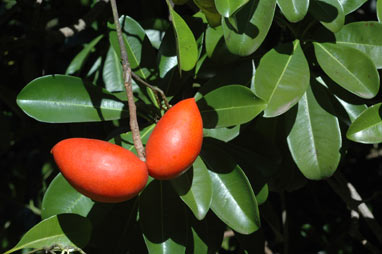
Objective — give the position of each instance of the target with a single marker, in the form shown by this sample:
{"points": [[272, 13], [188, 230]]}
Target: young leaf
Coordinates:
{"points": [[63, 99], [367, 128], [78, 61], [351, 5], [233, 199], [329, 12], [66, 231], [185, 42], [112, 72], [162, 219], [61, 197], [227, 8], [246, 30], [228, 106], [282, 77], [348, 67], [194, 188], [365, 36], [315, 139], [294, 11]]}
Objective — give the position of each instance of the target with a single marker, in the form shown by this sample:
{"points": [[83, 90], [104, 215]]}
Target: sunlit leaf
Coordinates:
{"points": [[65, 231], [228, 106], [351, 5], [367, 128], [348, 67], [293, 10], [61, 197], [315, 139], [246, 29], [282, 77], [62, 99], [228, 7]]}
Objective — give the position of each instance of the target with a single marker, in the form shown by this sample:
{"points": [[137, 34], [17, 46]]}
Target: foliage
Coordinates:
{"points": [[286, 90]]}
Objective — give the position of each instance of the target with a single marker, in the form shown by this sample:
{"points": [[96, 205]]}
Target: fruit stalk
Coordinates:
{"points": [[129, 91]]}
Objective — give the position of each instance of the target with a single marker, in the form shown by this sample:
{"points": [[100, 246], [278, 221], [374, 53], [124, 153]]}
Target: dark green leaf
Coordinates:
{"points": [[62, 99], [228, 7], [294, 11], [207, 235], [162, 219], [233, 200], [329, 12], [365, 36], [186, 44], [228, 106], [80, 58], [367, 128], [246, 30], [282, 77], [348, 67], [67, 231], [351, 5], [315, 139], [112, 73], [194, 188], [61, 197]]}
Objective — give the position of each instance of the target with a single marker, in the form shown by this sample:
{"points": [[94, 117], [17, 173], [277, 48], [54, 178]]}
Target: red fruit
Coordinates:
{"points": [[175, 141], [100, 170]]}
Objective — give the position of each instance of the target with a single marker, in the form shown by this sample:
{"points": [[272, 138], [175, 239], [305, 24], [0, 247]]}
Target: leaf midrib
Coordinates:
{"points": [[69, 104]]}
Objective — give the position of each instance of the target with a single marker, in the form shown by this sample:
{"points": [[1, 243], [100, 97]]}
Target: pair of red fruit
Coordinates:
{"points": [[110, 173]]}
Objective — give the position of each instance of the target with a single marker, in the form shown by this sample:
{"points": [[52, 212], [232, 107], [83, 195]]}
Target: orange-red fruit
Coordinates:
{"points": [[102, 171], [175, 141]]}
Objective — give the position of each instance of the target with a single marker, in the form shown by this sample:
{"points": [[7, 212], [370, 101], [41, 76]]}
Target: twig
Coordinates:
{"points": [[129, 91], [153, 88], [351, 197]]}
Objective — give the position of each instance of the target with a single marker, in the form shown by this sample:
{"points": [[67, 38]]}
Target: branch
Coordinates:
{"points": [[128, 85], [353, 200]]}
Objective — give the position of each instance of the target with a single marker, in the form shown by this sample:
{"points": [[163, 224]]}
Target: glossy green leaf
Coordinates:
{"points": [[155, 30], [67, 231], [379, 10], [224, 134], [185, 41], [112, 72], [367, 128], [315, 139], [228, 106], [61, 197], [329, 12], [209, 10], [348, 67], [78, 61], [194, 188], [62, 99], [233, 199], [262, 195], [351, 5], [352, 110], [213, 36], [365, 36], [282, 77], [228, 7], [139, 50], [246, 30], [293, 10], [162, 219]]}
